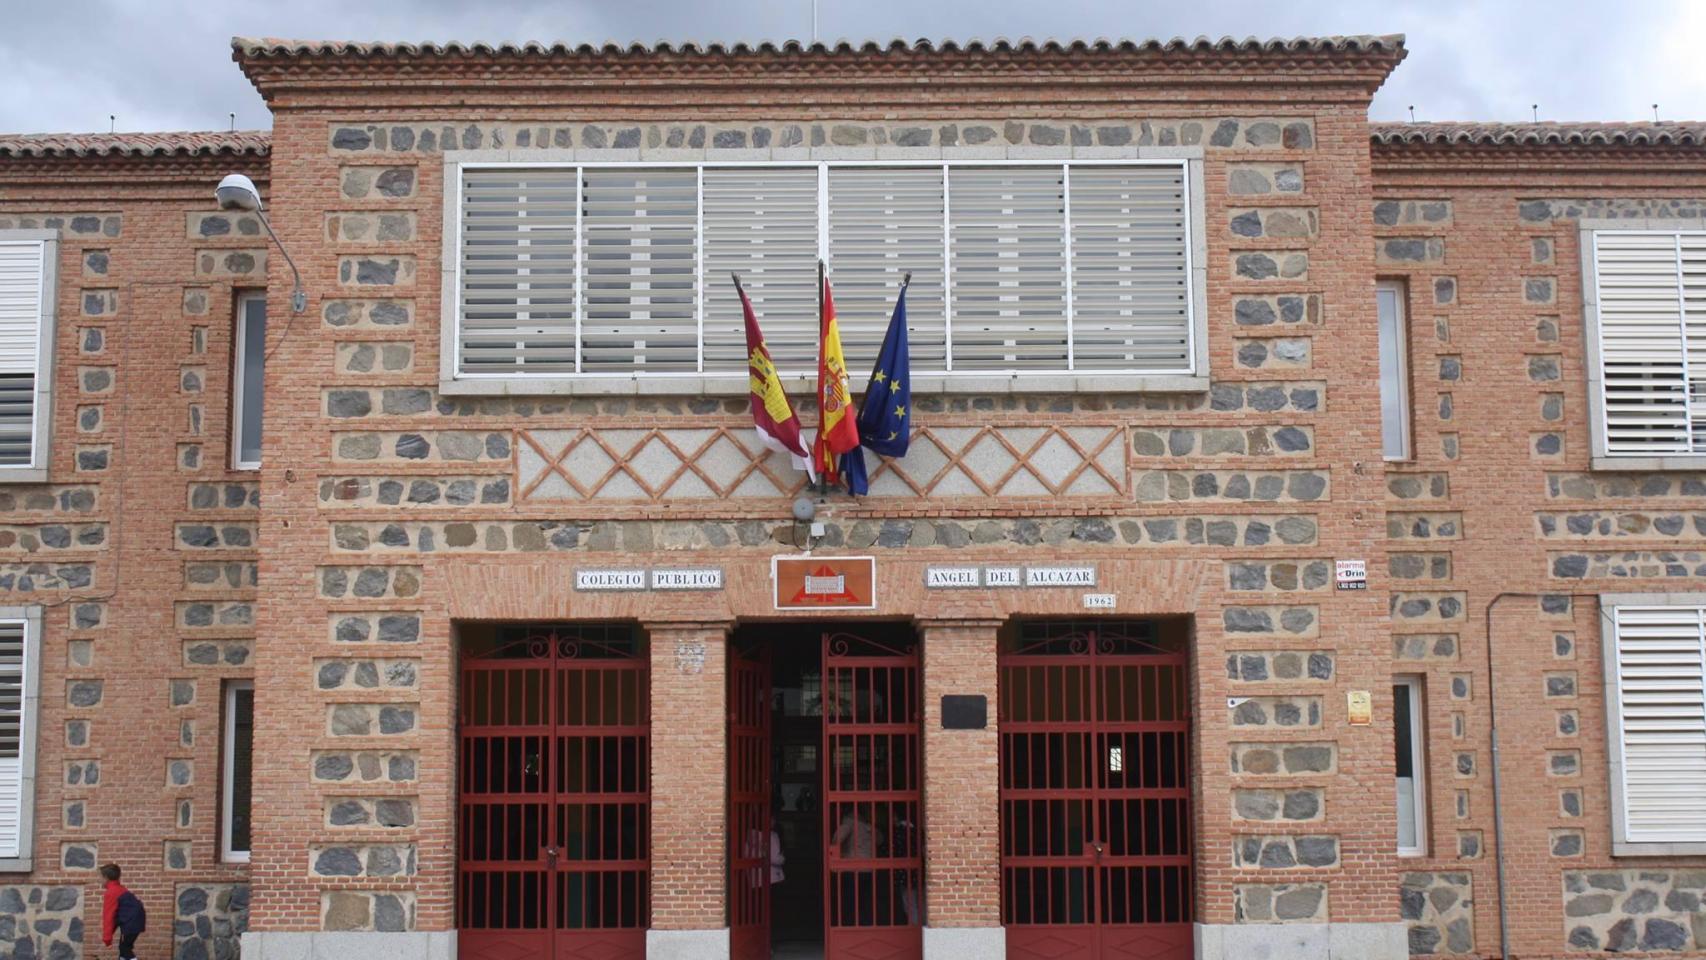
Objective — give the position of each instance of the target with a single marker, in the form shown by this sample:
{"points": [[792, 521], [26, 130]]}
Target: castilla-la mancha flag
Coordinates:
{"points": [[773, 416], [837, 431]]}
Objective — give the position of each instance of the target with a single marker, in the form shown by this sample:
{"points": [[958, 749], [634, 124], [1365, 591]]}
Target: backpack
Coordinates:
{"points": [[130, 916]]}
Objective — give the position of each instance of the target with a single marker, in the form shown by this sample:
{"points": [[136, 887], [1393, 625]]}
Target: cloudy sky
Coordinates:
{"points": [[165, 64]]}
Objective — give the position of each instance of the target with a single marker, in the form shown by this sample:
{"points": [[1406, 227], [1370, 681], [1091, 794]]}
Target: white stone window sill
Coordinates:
{"points": [[22, 475], [1695, 461], [806, 386], [18, 865], [1621, 848]]}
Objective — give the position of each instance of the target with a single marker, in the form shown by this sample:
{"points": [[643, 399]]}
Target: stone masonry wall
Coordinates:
{"points": [[210, 919], [1653, 911], [44, 922]]}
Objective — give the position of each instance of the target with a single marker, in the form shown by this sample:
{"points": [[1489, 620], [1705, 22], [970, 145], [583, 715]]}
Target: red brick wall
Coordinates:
{"points": [[346, 577], [320, 137], [143, 342], [1521, 387]]}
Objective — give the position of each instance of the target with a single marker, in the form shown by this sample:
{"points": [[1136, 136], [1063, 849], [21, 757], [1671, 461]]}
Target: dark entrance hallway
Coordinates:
{"points": [[825, 841]]}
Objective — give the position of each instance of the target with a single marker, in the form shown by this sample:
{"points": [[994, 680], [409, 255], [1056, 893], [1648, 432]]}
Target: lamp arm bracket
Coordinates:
{"points": [[298, 296]]}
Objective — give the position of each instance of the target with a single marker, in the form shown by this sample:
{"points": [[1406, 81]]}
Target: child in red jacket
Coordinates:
{"points": [[121, 913]]}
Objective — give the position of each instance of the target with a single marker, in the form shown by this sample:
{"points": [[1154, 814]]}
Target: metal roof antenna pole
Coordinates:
{"points": [[814, 21]]}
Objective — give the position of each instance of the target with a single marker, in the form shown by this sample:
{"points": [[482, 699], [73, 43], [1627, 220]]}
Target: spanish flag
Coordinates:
{"points": [[773, 416], [838, 431]]}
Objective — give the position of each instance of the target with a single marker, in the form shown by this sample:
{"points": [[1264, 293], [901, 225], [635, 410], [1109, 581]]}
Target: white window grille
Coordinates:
{"points": [[20, 647], [1656, 683], [1650, 294], [1020, 268], [27, 273]]}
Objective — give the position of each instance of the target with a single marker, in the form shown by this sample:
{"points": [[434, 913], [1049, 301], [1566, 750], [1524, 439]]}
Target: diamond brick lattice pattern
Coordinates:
{"points": [[728, 462]]}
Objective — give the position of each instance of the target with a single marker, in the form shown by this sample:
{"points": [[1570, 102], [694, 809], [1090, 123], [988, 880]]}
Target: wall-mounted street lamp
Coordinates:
{"points": [[805, 516], [237, 192]]}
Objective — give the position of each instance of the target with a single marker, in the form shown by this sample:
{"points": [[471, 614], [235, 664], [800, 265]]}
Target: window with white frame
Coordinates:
{"points": [[1408, 726], [236, 775], [248, 369], [28, 260], [20, 646], [1394, 370], [1655, 664], [1649, 316], [1019, 268]]}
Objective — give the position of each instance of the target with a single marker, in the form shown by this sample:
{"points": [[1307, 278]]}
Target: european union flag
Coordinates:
{"points": [[885, 414]]}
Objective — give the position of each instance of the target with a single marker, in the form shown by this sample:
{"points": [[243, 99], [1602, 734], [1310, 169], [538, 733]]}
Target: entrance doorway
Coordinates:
{"points": [[826, 845], [1095, 790], [553, 776]]}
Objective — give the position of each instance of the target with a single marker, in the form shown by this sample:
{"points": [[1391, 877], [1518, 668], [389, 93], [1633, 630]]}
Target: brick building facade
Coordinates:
{"points": [[422, 543]]}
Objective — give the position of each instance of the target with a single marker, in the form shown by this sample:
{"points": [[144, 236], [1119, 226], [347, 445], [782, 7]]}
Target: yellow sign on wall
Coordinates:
{"points": [[1359, 705]]}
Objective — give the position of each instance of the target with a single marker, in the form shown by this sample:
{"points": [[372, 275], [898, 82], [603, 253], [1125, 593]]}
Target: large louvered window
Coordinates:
{"points": [[1017, 268], [1651, 299], [17, 734], [1656, 675], [26, 324]]}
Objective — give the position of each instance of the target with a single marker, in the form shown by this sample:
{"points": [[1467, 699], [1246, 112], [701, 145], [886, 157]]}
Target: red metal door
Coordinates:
{"points": [[749, 804], [1095, 793], [554, 779], [873, 880]]}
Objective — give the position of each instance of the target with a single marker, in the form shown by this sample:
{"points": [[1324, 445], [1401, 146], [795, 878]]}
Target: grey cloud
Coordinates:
{"points": [[165, 64]]}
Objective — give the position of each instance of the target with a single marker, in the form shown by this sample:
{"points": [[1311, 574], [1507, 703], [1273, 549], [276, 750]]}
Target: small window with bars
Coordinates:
{"points": [[567, 270], [26, 302], [1655, 662], [1651, 299]]}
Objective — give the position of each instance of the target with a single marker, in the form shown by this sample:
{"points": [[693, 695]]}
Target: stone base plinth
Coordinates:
{"points": [[964, 943], [1301, 941], [279, 945], [687, 944]]}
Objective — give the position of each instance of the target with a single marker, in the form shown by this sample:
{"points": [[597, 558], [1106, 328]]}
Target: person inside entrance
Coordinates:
{"points": [[835, 754]]}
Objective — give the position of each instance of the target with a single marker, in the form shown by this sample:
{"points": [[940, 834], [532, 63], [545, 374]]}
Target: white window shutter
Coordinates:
{"points": [[762, 223], [12, 732], [639, 270], [1008, 267], [1641, 344], [517, 271], [1660, 675], [883, 223], [1692, 248], [23, 268], [1131, 284]]}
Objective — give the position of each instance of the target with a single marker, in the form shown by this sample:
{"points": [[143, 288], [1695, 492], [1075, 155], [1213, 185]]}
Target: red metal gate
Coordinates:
{"points": [[873, 880], [1095, 793], [554, 779], [749, 804]]}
